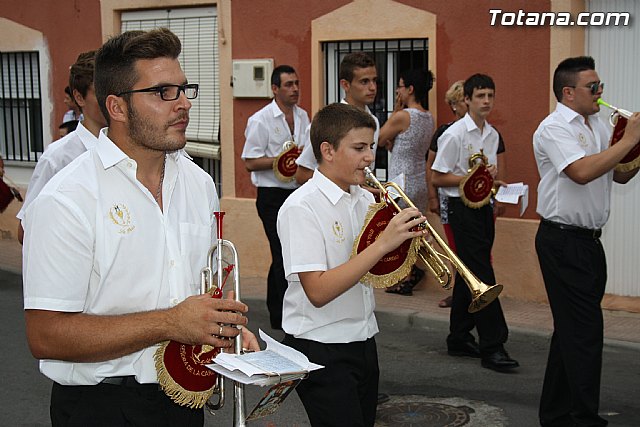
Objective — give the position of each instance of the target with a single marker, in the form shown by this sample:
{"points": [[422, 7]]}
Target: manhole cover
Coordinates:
{"points": [[421, 411]]}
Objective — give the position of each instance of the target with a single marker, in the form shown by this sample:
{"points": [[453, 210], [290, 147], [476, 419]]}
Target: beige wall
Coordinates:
{"points": [[565, 41], [349, 23]]}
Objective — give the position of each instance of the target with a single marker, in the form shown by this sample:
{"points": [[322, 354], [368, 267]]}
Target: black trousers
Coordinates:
{"points": [[575, 273], [268, 203], [474, 232], [108, 405], [345, 392]]}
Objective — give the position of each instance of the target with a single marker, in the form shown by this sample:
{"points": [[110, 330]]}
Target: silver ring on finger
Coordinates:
{"points": [[220, 330]]}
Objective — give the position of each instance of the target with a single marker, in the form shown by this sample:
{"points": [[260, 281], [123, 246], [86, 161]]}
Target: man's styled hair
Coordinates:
{"points": [[116, 61], [422, 82], [81, 73], [477, 81], [455, 93], [333, 122], [352, 61], [566, 74], [275, 75]]}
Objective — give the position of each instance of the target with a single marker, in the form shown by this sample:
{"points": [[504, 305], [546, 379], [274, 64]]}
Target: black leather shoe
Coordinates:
{"points": [[466, 348], [499, 361], [382, 397]]}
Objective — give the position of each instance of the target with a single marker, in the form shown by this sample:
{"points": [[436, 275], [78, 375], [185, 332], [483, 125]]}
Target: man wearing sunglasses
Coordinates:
{"points": [[576, 165], [114, 245]]}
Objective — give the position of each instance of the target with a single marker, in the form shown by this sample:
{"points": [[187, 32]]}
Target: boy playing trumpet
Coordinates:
{"points": [[328, 313]]}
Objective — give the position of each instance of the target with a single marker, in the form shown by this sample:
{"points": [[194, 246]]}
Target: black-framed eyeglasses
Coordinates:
{"points": [[169, 92], [593, 87]]}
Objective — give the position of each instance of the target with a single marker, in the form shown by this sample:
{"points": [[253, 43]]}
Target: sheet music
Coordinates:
{"points": [[514, 193], [270, 361], [278, 360]]}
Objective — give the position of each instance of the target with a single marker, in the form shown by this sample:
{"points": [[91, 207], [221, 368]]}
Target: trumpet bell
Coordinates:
{"points": [[482, 294], [481, 298]]}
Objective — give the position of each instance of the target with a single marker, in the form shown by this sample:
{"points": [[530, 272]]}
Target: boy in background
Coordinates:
{"points": [[84, 137], [473, 228]]}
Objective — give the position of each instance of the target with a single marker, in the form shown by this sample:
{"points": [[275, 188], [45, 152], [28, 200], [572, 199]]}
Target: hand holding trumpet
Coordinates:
{"points": [[632, 129], [405, 225], [201, 319]]}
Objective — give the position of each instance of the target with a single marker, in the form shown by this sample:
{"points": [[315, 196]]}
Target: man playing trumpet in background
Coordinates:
{"points": [[576, 165], [473, 227]]}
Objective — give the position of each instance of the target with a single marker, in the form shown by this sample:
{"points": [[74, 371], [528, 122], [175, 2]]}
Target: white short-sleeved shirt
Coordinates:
{"points": [[458, 143], [96, 242], [57, 155], [308, 160], [267, 131], [317, 226], [561, 139]]}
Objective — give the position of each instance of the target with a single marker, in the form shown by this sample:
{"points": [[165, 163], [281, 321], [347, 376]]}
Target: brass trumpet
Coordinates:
{"points": [[181, 368], [481, 293], [211, 277]]}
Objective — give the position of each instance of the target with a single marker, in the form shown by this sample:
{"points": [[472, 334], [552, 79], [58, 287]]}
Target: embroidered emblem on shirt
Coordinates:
{"points": [[120, 216], [277, 130], [338, 231], [583, 140]]}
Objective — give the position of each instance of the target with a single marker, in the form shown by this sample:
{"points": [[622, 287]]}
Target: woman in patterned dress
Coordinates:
{"points": [[407, 134]]}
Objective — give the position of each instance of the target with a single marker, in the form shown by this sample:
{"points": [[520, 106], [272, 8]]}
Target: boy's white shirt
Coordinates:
{"points": [[317, 226]]}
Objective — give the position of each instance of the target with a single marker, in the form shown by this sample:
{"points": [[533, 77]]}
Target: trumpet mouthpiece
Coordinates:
{"points": [[621, 111]]}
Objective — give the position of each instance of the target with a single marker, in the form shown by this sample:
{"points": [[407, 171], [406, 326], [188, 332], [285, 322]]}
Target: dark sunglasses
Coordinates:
{"points": [[593, 87]]}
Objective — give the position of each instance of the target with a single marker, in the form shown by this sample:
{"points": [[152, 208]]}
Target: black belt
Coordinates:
{"points": [[583, 232], [126, 381]]}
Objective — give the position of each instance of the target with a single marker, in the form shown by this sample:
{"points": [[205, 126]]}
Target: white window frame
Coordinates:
{"points": [[197, 29]]}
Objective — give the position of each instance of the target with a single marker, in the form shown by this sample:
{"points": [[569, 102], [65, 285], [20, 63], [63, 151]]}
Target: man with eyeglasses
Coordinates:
{"points": [[268, 130], [114, 245], [577, 167]]}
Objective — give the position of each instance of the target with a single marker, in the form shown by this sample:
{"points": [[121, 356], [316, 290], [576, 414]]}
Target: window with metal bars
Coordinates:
{"points": [[21, 135], [391, 57]]}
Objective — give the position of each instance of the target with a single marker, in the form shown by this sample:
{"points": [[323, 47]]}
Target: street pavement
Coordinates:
{"points": [[427, 387]]}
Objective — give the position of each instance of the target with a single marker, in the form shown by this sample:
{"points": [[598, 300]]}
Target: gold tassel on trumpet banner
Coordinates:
{"points": [[190, 363], [394, 266], [476, 188], [481, 293], [284, 165]]}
